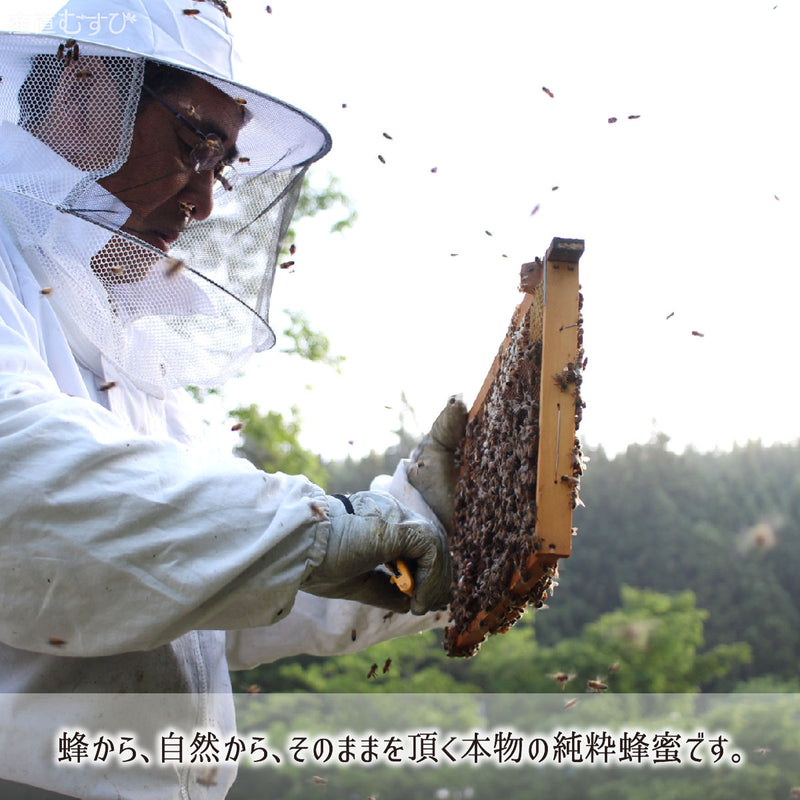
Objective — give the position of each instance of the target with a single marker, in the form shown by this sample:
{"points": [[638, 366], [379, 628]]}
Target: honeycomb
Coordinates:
{"points": [[498, 567]]}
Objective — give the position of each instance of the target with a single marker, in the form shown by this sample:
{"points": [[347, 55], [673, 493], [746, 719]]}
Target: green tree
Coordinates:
{"points": [[271, 443]]}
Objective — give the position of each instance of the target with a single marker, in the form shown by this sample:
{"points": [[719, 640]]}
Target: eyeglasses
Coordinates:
{"points": [[207, 150]]}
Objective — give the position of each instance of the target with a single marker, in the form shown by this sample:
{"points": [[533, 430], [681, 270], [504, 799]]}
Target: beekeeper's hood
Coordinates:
{"points": [[96, 206]]}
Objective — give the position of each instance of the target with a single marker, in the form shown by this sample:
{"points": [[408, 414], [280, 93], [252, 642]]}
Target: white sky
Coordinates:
{"points": [[678, 208]]}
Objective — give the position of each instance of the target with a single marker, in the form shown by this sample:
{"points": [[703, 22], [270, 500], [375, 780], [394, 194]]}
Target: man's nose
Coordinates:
{"points": [[199, 192]]}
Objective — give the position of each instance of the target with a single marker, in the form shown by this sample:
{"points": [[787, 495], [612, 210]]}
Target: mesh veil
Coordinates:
{"points": [[190, 316]]}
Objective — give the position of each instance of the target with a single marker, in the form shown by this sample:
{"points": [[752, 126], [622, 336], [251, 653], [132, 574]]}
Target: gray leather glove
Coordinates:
{"points": [[432, 471], [376, 529]]}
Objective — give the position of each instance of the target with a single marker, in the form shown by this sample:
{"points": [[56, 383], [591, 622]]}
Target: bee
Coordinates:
{"points": [[84, 74], [47, 290], [191, 12], [244, 160], [382, 159], [372, 670], [191, 111], [386, 665], [612, 120], [388, 615], [434, 170], [353, 635], [241, 101], [488, 233], [547, 91], [697, 333], [570, 703], [55, 641], [386, 135], [670, 315], [106, 385], [634, 116], [237, 426], [318, 781], [210, 778], [562, 678], [60, 52], [344, 105], [222, 6], [614, 667], [269, 9], [287, 264], [596, 686], [174, 266], [762, 751], [534, 210], [317, 511], [453, 254], [554, 189], [292, 249], [253, 688]]}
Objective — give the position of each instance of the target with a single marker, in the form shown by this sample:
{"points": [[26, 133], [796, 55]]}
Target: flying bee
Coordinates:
{"points": [[388, 615], [84, 74], [596, 686], [317, 511], [634, 116], [386, 135], [547, 91], [562, 678], [318, 781], [697, 333], [47, 290], [269, 9], [570, 703], [434, 170], [55, 641], [612, 120], [292, 249], [386, 665], [372, 670], [382, 159], [106, 385], [253, 688], [241, 101], [210, 778], [353, 635], [287, 264], [191, 12], [237, 426], [244, 160]]}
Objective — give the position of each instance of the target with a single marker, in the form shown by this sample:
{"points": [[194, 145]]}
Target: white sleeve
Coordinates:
{"points": [[321, 627], [112, 542], [317, 626]]}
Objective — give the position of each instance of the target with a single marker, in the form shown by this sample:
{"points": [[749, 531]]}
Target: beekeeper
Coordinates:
{"points": [[144, 194]]}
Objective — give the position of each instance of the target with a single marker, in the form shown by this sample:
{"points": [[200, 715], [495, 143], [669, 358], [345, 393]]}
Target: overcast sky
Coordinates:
{"points": [[689, 210]]}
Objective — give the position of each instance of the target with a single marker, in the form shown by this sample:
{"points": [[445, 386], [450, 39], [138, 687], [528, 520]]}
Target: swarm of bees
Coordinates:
{"points": [[494, 539]]}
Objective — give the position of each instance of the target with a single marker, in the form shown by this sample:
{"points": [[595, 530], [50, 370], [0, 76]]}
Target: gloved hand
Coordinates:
{"points": [[377, 530], [432, 471]]}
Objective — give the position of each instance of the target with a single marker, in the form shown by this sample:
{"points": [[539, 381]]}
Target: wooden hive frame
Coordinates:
{"points": [[521, 461]]}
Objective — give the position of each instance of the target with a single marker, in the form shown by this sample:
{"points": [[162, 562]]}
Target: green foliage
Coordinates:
{"points": [[314, 200], [308, 343], [271, 443], [722, 525]]}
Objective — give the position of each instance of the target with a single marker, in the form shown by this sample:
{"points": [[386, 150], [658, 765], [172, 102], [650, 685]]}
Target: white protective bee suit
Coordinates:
{"points": [[130, 562]]}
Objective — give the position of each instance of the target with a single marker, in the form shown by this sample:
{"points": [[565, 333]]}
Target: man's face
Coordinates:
{"points": [[157, 182]]}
